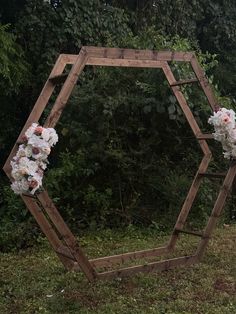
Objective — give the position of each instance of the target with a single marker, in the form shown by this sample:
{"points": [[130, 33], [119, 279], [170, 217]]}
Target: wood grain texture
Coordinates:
{"points": [[122, 258], [66, 90], [204, 83], [124, 63], [67, 236], [150, 267], [136, 54], [46, 228], [37, 110], [217, 209]]}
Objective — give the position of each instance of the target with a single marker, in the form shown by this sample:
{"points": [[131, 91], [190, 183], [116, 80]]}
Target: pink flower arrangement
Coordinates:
{"points": [[223, 121], [30, 161]]}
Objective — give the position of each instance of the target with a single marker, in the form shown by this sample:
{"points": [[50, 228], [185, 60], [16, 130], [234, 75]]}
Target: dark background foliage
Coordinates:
{"points": [[126, 154]]}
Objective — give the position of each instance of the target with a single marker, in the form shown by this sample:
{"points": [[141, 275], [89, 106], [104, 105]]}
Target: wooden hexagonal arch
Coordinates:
{"points": [[41, 206]]}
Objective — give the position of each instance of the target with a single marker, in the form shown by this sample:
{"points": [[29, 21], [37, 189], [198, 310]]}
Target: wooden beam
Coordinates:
{"points": [[69, 58], [136, 54], [37, 110], [214, 175], [184, 106], [58, 79], [124, 63], [202, 136], [66, 90], [47, 229], [150, 267], [189, 232], [218, 207], [185, 82], [204, 83], [122, 258], [68, 237], [189, 200]]}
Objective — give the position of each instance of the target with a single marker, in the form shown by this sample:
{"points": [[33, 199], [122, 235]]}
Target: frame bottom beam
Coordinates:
{"points": [[122, 258], [150, 267]]}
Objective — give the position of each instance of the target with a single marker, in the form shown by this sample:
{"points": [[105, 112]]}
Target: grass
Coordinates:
{"points": [[34, 281]]}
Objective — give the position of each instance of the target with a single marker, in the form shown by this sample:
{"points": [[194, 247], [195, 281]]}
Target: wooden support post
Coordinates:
{"points": [[38, 109], [67, 235], [184, 106], [204, 83], [150, 267], [47, 229], [66, 90], [219, 204], [108, 261], [189, 200]]}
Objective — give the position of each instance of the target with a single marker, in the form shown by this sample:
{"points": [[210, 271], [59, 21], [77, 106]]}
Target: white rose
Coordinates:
{"points": [[31, 129], [45, 134]]}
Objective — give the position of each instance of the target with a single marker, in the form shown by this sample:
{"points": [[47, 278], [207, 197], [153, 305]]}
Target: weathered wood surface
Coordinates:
{"points": [[66, 90], [37, 110], [218, 207], [67, 235], [149, 267], [122, 258], [47, 229], [204, 83]]}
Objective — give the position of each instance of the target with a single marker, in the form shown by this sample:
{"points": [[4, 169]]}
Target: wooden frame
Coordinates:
{"points": [[41, 206]]}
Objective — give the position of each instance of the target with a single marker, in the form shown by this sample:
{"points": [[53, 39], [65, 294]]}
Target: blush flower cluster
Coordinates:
{"points": [[30, 161], [225, 132]]}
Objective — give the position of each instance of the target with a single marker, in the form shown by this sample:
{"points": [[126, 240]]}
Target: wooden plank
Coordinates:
{"points": [[37, 110], [136, 54], [205, 136], [128, 54], [122, 258], [184, 82], [67, 235], [189, 200], [47, 229], [150, 267], [58, 79], [217, 175], [66, 90], [204, 83], [124, 63], [69, 58], [190, 232], [218, 207], [184, 106], [64, 251]]}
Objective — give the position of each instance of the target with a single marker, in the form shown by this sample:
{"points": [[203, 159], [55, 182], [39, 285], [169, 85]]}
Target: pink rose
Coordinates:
{"points": [[24, 138], [33, 184], [38, 130], [226, 119], [35, 151]]}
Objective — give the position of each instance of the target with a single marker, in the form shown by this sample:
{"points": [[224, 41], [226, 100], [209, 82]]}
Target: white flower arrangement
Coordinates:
{"points": [[223, 121], [30, 161]]}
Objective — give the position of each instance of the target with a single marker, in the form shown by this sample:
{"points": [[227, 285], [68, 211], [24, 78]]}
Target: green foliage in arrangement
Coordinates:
{"points": [[126, 155]]}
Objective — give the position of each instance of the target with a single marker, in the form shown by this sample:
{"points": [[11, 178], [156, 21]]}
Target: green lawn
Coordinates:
{"points": [[34, 281]]}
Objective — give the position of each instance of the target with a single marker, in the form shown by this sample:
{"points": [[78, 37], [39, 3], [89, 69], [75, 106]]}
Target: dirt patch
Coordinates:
{"points": [[224, 285]]}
